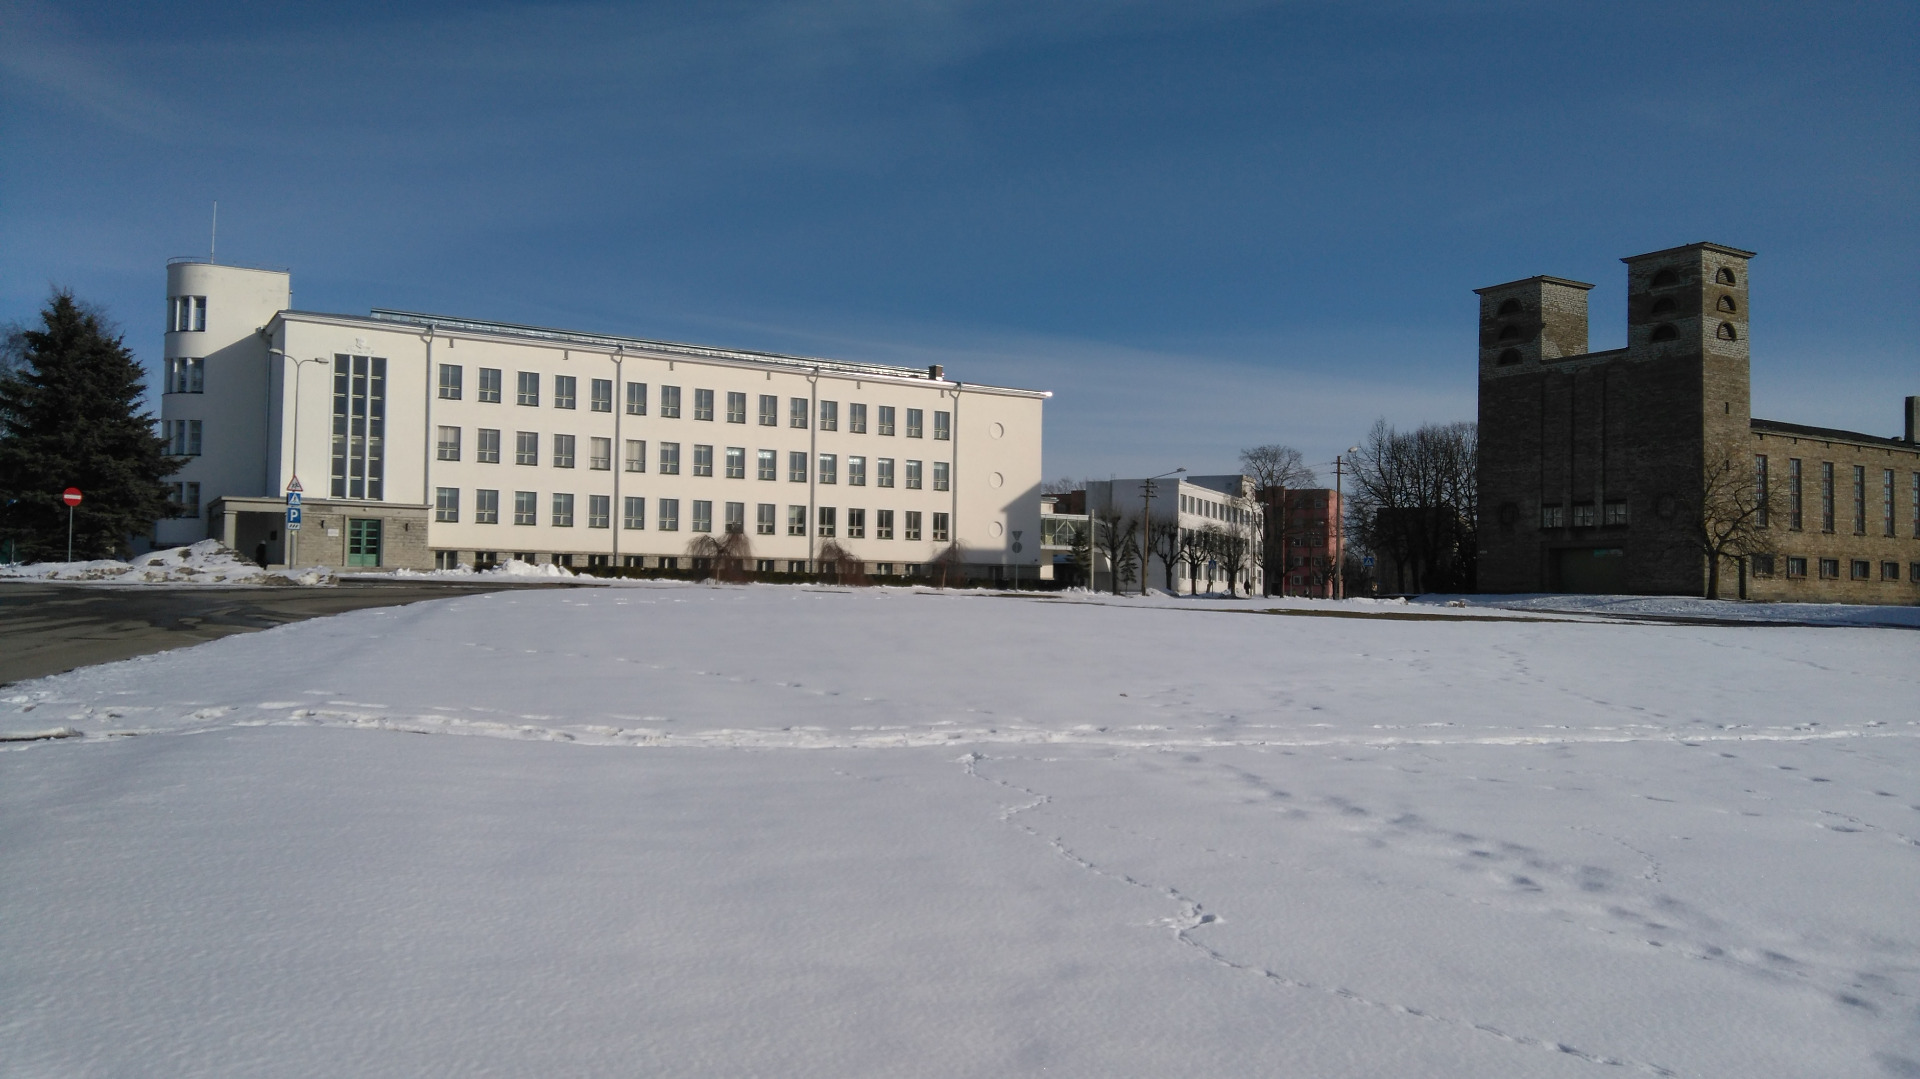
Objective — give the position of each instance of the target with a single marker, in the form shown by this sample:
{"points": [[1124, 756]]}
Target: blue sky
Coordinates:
{"points": [[1203, 225]]}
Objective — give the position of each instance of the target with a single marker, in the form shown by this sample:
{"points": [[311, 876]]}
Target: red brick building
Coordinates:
{"points": [[1300, 540]]}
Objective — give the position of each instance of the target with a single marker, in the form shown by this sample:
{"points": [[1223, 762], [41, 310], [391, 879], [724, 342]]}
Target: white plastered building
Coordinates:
{"points": [[1200, 504], [422, 441]]}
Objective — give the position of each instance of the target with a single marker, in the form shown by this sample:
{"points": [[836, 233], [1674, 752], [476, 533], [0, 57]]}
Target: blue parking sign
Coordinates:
{"points": [[293, 517]]}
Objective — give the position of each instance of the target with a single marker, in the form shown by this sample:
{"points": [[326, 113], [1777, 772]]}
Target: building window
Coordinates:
{"points": [[446, 560], [883, 524], [1796, 567], [913, 475], [914, 422], [829, 468], [940, 528], [1726, 304], [1829, 569], [447, 444], [1507, 307], [736, 462], [796, 520], [529, 389], [942, 426], [1913, 501], [856, 471], [1794, 500], [563, 511], [186, 314], [769, 410], [702, 460], [1886, 502], [1583, 515], [826, 522], [1826, 496], [883, 472], [669, 515], [1515, 333], [1614, 513], [886, 420], [941, 476], [829, 415], [526, 448], [1860, 569], [359, 426], [670, 402], [767, 465], [486, 507], [1665, 278], [602, 399], [702, 515], [736, 520], [600, 454], [1762, 565], [913, 524], [1726, 332], [763, 519], [633, 512], [1859, 500], [446, 503], [857, 419], [736, 407], [856, 524], [1508, 357], [636, 398], [184, 499], [1761, 495], [1723, 275], [1889, 571], [636, 457], [795, 565], [797, 466], [797, 412], [703, 405], [526, 507], [1553, 517], [1664, 332], [564, 388], [489, 386], [669, 458], [450, 381], [563, 451], [183, 437], [188, 374]]}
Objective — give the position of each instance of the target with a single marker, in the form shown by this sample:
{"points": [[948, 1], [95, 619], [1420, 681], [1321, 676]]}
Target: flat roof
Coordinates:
{"points": [[1831, 434], [1722, 248], [1564, 281]]}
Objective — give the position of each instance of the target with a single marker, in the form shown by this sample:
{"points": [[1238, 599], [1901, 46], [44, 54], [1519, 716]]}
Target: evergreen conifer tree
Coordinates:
{"points": [[69, 417]]}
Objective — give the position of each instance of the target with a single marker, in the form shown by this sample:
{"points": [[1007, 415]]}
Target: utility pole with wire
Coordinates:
{"points": [[1339, 527]]}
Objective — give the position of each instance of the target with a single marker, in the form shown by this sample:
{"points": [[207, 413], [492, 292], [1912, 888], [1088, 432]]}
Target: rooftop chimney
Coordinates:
{"points": [[1913, 419], [935, 371]]}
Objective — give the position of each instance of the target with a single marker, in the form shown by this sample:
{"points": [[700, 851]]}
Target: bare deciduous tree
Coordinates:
{"points": [[1275, 465], [949, 567], [726, 557], [839, 565], [1065, 485], [1117, 537], [1163, 538], [1414, 501], [1725, 521]]}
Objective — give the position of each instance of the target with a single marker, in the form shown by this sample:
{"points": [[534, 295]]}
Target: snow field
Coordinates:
{"points": [[809, 832]]}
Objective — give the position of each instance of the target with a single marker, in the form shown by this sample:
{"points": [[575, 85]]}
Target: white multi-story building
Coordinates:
{"points": [[1220, 525], [422, 441]]}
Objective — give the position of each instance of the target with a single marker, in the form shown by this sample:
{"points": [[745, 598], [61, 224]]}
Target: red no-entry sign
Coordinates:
{"points": [[71, 496]]}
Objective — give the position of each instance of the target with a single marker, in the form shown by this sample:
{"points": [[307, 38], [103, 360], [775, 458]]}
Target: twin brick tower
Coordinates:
{"points": [[1592, 463]]}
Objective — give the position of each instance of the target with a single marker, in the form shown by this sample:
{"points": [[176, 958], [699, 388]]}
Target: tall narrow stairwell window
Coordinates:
{"points": [[359, 426]]}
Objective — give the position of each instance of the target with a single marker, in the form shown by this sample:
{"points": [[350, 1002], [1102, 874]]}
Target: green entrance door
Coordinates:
{"points": [[363, 543]]}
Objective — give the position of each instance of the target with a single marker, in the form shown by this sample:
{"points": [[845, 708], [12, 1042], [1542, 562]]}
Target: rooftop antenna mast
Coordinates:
{"points": [[213, 239]]}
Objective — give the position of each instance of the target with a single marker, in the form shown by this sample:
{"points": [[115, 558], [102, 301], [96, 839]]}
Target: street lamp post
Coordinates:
{"points": [[1146, 524], [293, 536], [1339, 530]]}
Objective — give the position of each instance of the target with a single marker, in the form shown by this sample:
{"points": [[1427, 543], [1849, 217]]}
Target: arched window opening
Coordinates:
{"points": [[1726, 304], [1663, 306], [1665, 332], [1665, 278], [1508, 307], [1724, 276], [1511, 333], [1509, 357], [1726, 332]]}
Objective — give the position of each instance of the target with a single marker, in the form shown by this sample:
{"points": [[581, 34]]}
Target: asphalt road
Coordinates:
{"points": [[49, 628]]}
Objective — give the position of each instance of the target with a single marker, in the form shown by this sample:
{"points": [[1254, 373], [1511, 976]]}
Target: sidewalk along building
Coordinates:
{"points": [[1598, 470], [1221, 531], [1301, 539], [422, 442]]}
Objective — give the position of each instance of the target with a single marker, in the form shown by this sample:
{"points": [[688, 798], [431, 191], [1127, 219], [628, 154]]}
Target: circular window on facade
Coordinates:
{"points": [[998, 430], [997, 528], [996, 480]]}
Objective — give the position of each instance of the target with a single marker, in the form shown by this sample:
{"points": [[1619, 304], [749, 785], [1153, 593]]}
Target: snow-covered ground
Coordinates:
{"points": [[766, 830], [1819, 614], [206, 562]]}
